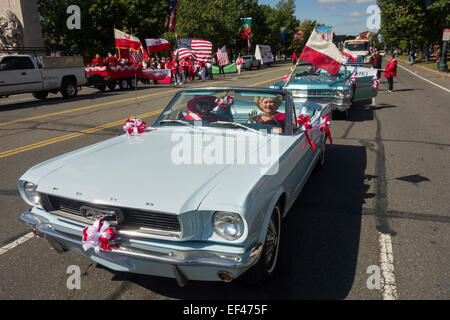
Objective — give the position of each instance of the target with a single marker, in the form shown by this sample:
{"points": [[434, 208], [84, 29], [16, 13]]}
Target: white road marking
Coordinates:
{"points": [[441, 87], [389, 288], [14, 244]]}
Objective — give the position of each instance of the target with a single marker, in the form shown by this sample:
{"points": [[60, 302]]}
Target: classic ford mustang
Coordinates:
{"points": [[309, 83], [200, 195]]}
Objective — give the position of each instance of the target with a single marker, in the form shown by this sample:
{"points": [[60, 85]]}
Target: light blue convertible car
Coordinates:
{"points": [[200, 195], [309, 83]]}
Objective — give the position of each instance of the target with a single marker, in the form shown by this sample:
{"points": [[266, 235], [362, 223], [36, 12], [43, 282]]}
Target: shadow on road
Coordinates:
{"points": [[319, 241]]}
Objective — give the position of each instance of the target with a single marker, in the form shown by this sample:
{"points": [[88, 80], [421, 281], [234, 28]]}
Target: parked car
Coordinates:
{"points": [[181, 207], [41, 75], [250, 62], [309, 83]]}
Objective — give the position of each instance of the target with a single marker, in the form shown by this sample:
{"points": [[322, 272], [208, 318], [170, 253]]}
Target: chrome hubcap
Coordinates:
{"points": [[271, 243]]}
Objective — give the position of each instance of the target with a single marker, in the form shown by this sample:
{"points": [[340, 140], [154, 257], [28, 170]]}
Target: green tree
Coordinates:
{"points": [[144, 18]]}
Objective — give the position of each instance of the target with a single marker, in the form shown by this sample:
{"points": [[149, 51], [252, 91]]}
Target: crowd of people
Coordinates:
{"points": [[183, 70]]}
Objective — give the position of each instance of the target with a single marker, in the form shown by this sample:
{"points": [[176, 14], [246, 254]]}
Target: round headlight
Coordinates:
{"points": [[228, 225], [30, 192], [340, 93]]}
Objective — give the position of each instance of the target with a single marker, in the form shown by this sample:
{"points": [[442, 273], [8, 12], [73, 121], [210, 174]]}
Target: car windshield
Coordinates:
{"points": [[360, 46], [306, 71], [226, 108]]}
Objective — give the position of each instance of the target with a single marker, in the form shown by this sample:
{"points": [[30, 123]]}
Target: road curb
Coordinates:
{"points": [[442, 75]]}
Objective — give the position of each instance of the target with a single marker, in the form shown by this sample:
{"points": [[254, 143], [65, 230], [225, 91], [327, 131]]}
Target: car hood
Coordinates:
{"points": [[142, 172]]}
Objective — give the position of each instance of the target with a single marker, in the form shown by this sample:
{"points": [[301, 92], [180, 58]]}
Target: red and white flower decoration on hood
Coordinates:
{"points": [[305, 126], [99, 236], [134, 126]]}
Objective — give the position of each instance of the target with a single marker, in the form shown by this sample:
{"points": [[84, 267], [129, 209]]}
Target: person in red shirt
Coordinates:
{"points": [[391, 71], [269, 106], [294, 58], [97, 61]]}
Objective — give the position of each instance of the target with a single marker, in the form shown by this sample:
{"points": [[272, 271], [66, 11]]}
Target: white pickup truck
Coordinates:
{"points": [[41, 75]]}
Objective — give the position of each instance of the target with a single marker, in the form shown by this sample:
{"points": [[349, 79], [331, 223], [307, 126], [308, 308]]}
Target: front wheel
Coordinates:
{"points": [[41, 95], [261, 272]]}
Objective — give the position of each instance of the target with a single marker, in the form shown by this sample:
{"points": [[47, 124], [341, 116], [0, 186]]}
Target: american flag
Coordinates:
{"points": [[171, 18], [201, 48], [137, 56], [222, 56], [184, 53]]}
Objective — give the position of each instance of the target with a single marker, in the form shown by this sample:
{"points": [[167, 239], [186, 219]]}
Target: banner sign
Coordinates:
{"points": [[264, 53]]}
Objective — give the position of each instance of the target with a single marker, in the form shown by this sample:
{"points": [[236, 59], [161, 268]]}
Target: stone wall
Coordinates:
{"points": [[26, 11]]}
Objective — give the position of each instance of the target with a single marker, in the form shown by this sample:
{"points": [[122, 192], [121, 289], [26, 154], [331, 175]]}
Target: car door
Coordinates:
{"points": [[297, 157], [19, 74], [364, 89]]}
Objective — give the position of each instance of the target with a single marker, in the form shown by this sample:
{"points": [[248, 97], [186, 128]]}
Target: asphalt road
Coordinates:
{"points": [[380, 203]]}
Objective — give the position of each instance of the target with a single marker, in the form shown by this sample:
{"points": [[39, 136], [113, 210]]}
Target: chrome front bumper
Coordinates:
{"points": [[173, 257]]}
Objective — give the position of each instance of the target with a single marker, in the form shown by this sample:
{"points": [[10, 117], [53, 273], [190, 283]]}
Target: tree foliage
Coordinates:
{"points": [[218, 21], [143, 18], [418, 21]]}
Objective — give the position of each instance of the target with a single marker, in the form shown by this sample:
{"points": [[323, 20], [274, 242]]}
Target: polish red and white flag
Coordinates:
{"points": [[124, 40], [322, 54], [346, 53]]}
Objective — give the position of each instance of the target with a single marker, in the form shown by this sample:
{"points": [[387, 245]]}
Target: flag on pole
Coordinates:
{"points": [[298, 36], [201, 48], [349, 55], [246, 30], [322, 53], [222, 57], [138, 55], [157, 45], [283, 33], [326, 32], [171, 18], [184, 53], [124, 40]]}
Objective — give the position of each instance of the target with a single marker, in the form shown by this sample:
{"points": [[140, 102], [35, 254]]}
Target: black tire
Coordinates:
{"points": [[112, 85], [264, 269], [133, 83], [124, 84], [41, 95], [69, 89], [101, 87], [259, 66]]}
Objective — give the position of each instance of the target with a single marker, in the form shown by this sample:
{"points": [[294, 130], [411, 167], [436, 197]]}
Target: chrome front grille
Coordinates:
{"points": [[323, 93], [133, 218]]}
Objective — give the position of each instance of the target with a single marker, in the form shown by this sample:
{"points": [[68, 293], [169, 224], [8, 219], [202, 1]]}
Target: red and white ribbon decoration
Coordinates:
{"points": [[354, 78], [325, 125], [98, 236], [134, 126], [306, 125], [286, 78], [376, 82], [225, 102]]}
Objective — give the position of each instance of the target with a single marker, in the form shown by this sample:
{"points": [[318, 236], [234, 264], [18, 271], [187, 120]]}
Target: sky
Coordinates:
{"points": [[347, 16]]}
